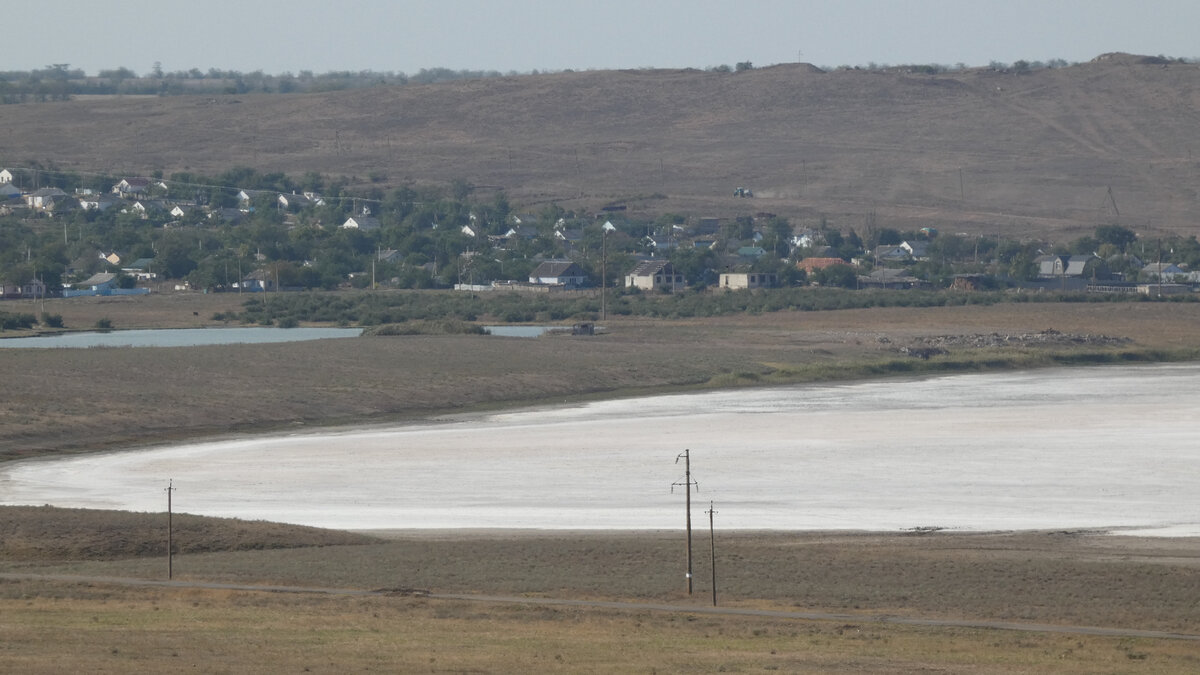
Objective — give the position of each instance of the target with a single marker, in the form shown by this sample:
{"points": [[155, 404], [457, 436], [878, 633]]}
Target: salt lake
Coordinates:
{"points": [[1084, 448]]}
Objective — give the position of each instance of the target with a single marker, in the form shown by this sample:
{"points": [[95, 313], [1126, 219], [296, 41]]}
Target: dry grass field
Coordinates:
{"points": [[1037, 579], [977, 151]]}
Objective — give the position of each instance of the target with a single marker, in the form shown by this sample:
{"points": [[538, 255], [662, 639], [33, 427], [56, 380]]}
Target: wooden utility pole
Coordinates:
{"points": [[712, 550], [604, 275], [170, 533], [687, 488]]}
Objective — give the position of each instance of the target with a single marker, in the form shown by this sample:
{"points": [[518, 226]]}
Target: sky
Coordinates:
{"points": [[278, 36]]}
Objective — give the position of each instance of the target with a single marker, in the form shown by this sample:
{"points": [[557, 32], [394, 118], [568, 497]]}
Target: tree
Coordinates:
{"points": [[744, 65], [842, 276], [1118, 236]]}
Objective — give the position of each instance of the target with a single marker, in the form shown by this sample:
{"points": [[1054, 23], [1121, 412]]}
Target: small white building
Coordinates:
{"points": [[560, 272], [743, 280], [654, 275]]}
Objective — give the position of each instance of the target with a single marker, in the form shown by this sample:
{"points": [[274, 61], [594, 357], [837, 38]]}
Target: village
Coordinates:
{"points": [[182, 234]]}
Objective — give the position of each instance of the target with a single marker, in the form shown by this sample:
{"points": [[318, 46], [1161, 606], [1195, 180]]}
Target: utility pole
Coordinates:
{"points": [[170, 533], [604, 275], [687, 483], [712, 549]]}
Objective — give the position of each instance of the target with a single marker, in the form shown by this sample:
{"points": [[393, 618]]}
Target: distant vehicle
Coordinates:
{"points": [[742, 192]]}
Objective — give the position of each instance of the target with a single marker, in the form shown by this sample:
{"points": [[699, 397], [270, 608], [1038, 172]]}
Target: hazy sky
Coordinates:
{"points": [[522, 35]]}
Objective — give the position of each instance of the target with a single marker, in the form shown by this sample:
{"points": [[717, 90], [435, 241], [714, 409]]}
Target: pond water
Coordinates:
{"points": [[522, 331], [180, 337], [1096, 448]]}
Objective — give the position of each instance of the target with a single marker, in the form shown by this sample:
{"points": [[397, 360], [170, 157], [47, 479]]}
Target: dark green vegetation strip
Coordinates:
{"points": [[369, 309]]}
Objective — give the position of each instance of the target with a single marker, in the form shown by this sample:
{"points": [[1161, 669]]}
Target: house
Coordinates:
{"points": [[472, 230], [9, 191], [226, 215], [752, 251], [43, 198], [140, 269], [1054, 266], [363, 223], [805, 238], [1163, 271], [745, 280], [258, 281], [182, 210], [97, 202], [572, 236], [810, 265], [110, 258], [390, 255], [917, 250], [6, 176], [300, 201], [889, 253], [101, 281], [146, 207], [660, 243], [654, 275], [883, 277], [527, 232], [558, 272], [132, 187], [34, 288]]}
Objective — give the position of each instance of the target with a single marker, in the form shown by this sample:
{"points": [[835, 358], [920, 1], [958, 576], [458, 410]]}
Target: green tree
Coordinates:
{"points": [[842, 276], [1118, 236]]}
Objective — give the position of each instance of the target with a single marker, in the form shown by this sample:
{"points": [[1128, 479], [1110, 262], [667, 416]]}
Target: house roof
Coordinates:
{"points": [[810, 264], [99, 279], [557, 268], [649, 268], [362, 222], [139, 264], [48, 192]]}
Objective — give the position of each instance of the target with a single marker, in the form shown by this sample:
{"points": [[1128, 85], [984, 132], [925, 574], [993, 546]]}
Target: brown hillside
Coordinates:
{"points": [[49, 533], [977, 150]]}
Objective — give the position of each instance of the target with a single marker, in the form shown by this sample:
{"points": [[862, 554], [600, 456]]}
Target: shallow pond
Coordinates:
{"points": [[180, 337]]}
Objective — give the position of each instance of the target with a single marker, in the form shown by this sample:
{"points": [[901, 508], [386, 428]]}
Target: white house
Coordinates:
{"points": [[43, 198], [740, 280], [132, 187], [563, 272], [6, 176], [96, 202], [651, 275], [364, 223]]}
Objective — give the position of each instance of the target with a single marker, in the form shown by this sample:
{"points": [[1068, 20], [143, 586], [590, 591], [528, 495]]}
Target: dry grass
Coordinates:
{"points": [[125, 631], [1053, 577], [45, 533], [975, 151]]}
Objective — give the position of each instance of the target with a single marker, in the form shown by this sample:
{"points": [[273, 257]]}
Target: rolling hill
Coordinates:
{"points": [[1051, 152]]}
